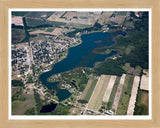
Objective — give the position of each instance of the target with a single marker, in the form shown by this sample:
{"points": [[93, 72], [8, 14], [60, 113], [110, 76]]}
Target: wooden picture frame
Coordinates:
{"points": [[4, 55]]}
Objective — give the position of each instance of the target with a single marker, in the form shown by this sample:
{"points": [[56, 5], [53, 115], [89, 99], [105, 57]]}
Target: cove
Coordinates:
{"points": [[75, 56]]}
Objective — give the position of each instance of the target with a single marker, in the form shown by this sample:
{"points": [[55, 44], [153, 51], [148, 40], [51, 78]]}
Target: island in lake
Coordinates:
{"points": [[80, 63]]}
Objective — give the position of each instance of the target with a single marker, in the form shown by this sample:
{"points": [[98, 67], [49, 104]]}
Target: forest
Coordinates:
{"points": [[138, 54]]}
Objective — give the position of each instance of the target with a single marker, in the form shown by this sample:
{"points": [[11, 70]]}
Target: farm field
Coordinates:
{"points": [[19, 107], [18, 35], [132, 100], [89, 89], [142, 103], [125, 96], [109, 89], [96, 99], [113, 93], [118, 93], [144, 82]]}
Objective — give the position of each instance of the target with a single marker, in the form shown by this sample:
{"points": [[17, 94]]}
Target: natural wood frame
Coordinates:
{"points": [[6, 4]]}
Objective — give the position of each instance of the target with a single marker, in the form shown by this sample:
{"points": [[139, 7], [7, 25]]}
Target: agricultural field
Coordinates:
{"points": [[95, 101], [19, 13], [25, 102], [125, 96], [145, 81], [142, 104], [89, 89], [113, 93], [18, 35], [133, 97], [39, 15], [103, 17], [109, 89], [17, 20], [118, 93]]}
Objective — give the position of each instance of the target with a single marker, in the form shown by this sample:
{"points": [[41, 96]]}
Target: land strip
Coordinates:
{"points": [[89, 89], [96, 99], [132, 101], [109, 89], [125, 95], [118, 93]]}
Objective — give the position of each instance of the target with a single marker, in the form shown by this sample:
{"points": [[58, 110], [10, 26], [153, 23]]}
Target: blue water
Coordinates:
{"points": [[76, 57]]}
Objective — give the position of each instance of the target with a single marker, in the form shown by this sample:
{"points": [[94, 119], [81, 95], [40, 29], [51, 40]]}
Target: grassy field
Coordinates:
{"points": [[142, 103], [96, 99], [14, 90], [113, 93], [125, 96], [89, 89], [17, 35], [109, 89], [19, 107]]}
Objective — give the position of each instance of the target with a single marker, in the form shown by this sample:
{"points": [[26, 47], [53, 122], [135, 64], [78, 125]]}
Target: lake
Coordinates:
{"points": [[77, 55]]}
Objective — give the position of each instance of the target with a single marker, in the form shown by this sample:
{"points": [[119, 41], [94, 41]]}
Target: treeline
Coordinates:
{"points": [[16, 83], [112, 67]]}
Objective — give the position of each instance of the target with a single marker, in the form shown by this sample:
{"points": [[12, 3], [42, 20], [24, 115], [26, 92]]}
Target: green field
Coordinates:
{"points": [[95, 101], [125, 96], [113, 93], [19, 107], [19, 13], [142, 103], [88, 92]]}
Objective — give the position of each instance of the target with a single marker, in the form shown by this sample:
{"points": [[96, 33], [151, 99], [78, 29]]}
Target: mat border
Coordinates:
{"points": [[6, 4]]}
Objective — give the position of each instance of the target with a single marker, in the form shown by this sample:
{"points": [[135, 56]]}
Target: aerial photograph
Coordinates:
{"points": [[84, 63]]}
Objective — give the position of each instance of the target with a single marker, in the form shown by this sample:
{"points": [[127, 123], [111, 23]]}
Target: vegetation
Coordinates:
{"points": [[39, 102], [125, 96], [61, 110], [30, 78], [19, 13], [16, 83], [111, 67], [26, 29], [90, 90], [18, 35], [113, 93], [76, 78], [137, 43], [30, 111], [50, 29], [141, 107], [18, 96]]}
